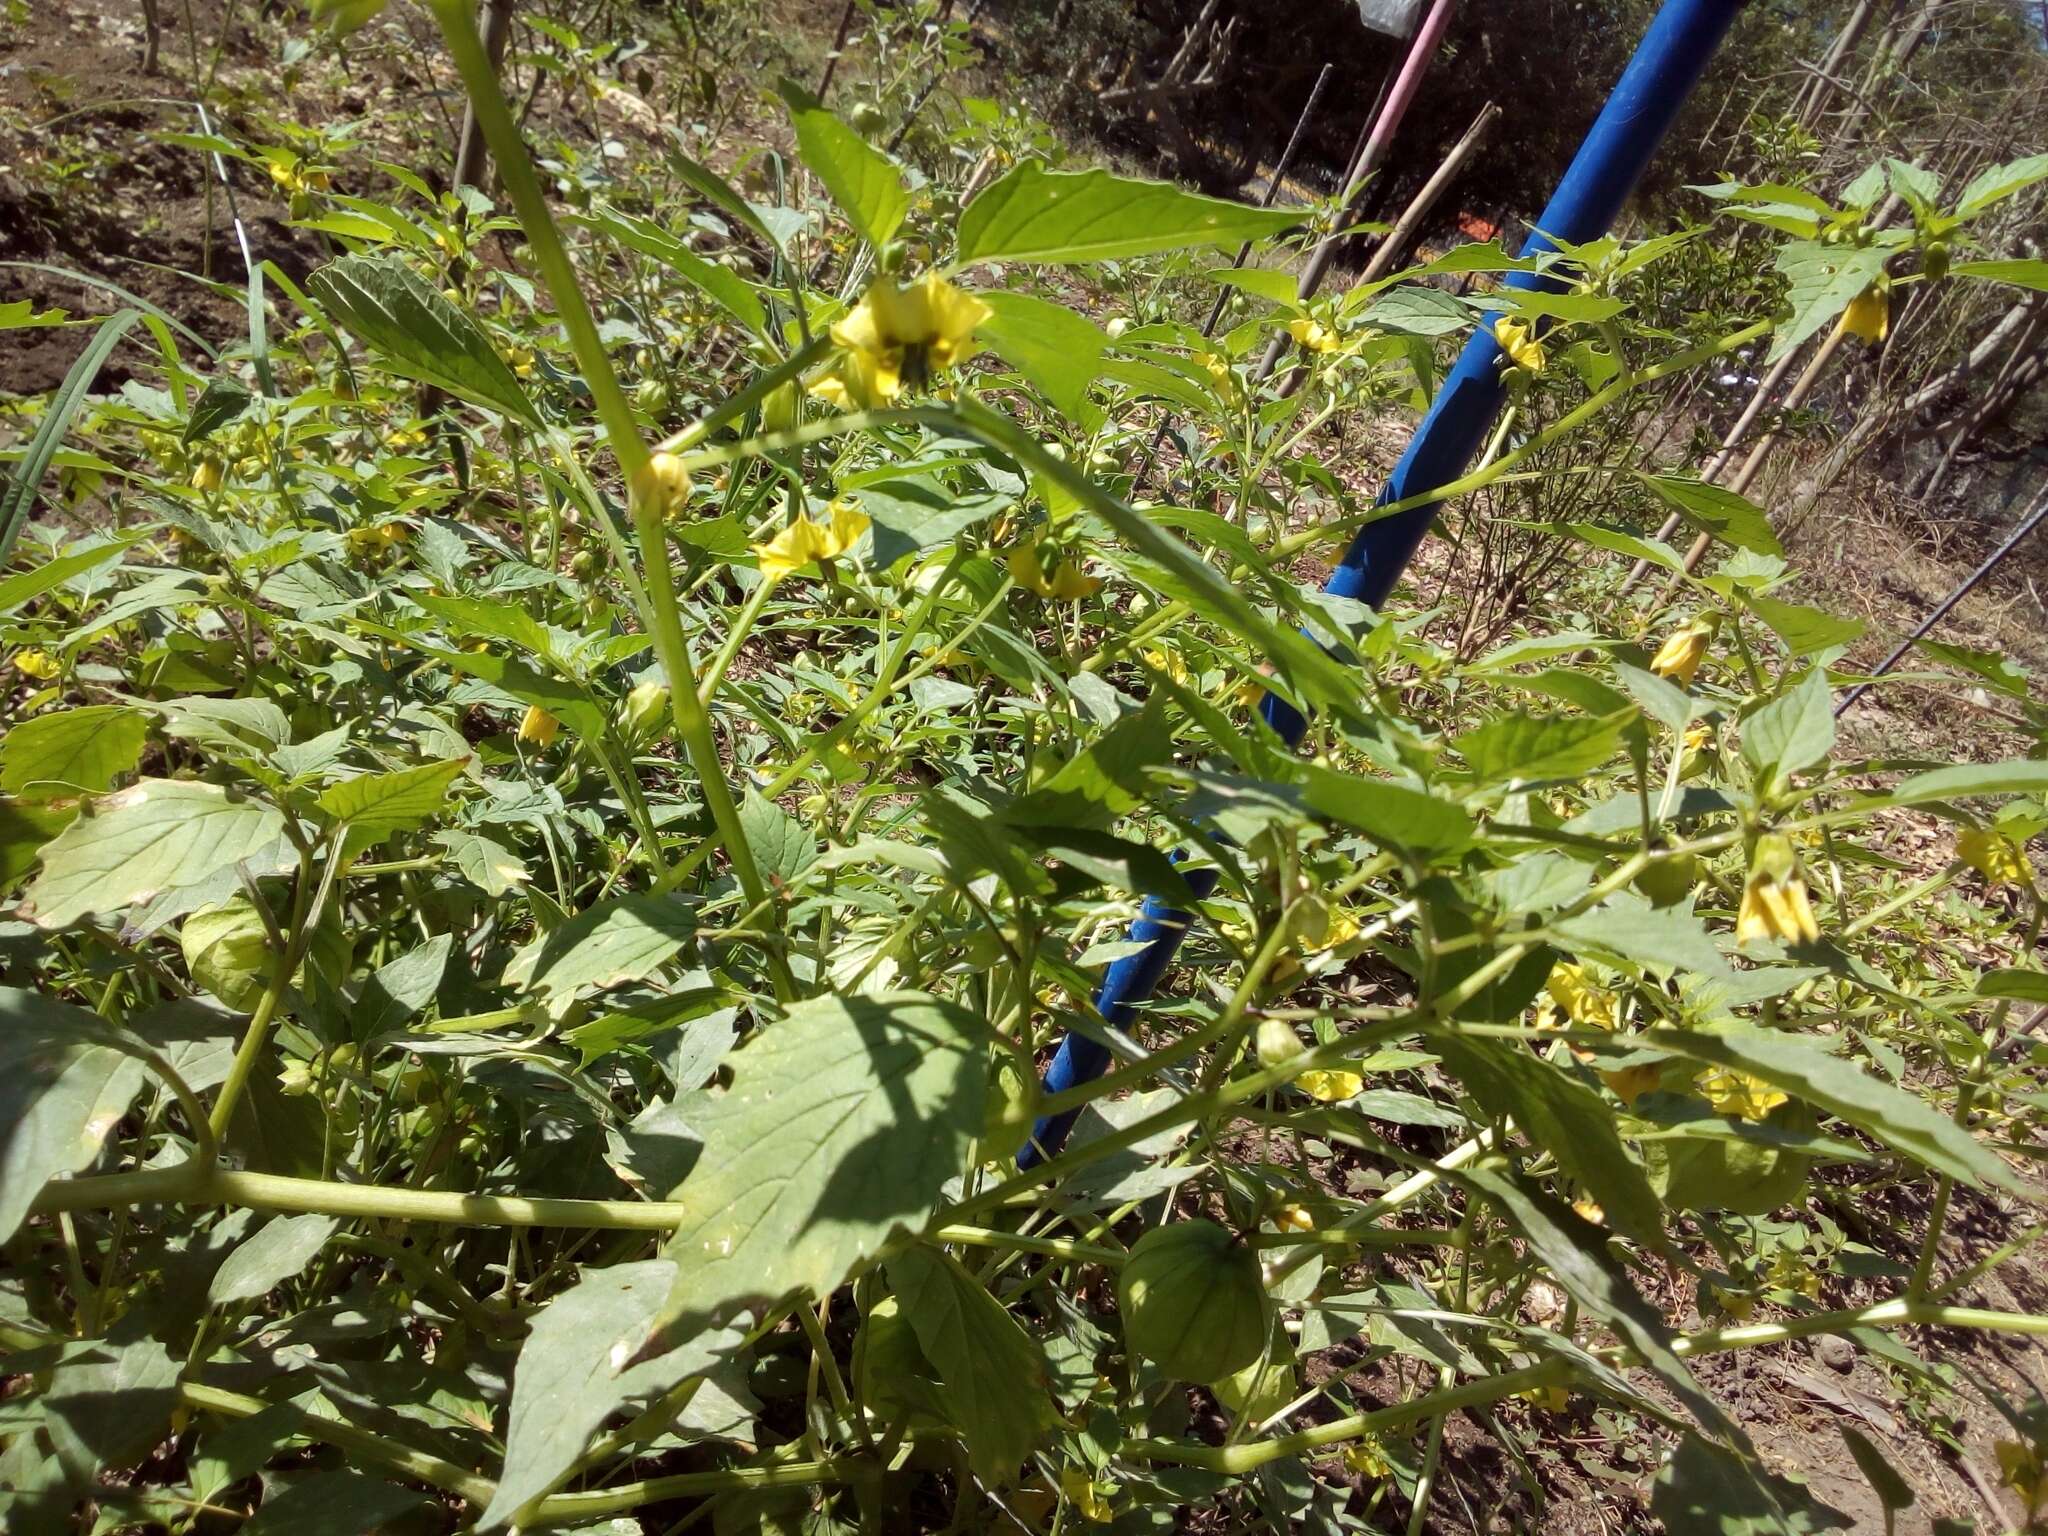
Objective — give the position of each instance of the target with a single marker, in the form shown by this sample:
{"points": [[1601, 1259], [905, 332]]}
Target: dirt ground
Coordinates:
{"points": [[92, 204]]}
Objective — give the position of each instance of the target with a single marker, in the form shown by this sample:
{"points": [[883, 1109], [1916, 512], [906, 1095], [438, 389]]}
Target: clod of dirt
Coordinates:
{"points": [[1836, 1354]]}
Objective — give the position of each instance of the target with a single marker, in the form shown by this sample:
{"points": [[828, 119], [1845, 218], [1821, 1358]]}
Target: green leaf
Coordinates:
{"points": [[1626, 928], [399, 989], [864, 182], [486, 864], [24, 585], [2000, 182], [1563, 1116], [157, 835], [1821, 281], [574, 1371], [1793, 732], [992, 1374], [20, 492], [723, 286], [60, 1093], [913, 515], [1656, 551], [280, 1249], [1528, 748], [1993, 667], [1101, 782], [1574, 1253], [2027, 272], [845, 1119], [1704, 1490], [24, 829], [57, 756], [2026, 986], [110, 1400], [1728, 515], [416, 332], [613, 943], [331, 1503], [222, 401], [1037, 215], [1392, 815], [1904, 1123], [1804, 630], [1059, 351], [1569, 308], [376, 805], [783, 847], [2016, 776]]}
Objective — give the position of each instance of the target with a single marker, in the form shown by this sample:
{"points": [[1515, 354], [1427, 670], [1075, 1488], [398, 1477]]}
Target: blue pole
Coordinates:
{"points": [[1639, 112]]}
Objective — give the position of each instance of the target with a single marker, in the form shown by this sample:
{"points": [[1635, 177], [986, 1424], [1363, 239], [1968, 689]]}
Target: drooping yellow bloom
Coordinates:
{"points": [[1869, 315], [1582, 1002], [897, 337], [1329, 1086], [1219, 369], [1631, 1083], [1698, 737], [1591, 1210], [2021, 1469], [1081, 1492], [805, 541], [661, 483], [539, 728], [208, 476], [1518, 340], [1994, 856], [1314, 335], [1774, 899], [1550, 1399], [1679, 657], [1294, 1218], [40, 665], [1066, 581], [1366, 1459], [1790, 1272], [1741, 1094]]}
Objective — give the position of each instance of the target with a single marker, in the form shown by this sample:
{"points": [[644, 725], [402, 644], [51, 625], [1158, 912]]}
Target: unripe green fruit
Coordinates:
{"points": [[1668, 881], [227, 951], [1935, 263], [651, 396], [866, 117], [1193, 1301], [1277, 1042]]}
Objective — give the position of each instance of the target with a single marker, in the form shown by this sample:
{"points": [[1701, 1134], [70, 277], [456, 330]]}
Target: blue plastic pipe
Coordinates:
{"points": [[1667, 65]]}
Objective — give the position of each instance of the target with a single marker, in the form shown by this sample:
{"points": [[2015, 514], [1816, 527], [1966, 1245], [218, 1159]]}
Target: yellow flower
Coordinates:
{"points": [[1698, 737], [1774, 900], [1366, 1459], [1066, 581], [1631, 1083], [40, 665], [1340, 929], [1330, 1087], [1994, 856], [208, 476], [1743, 1095], [1591, 1210], [1294, 1218], [1082, 1493], [1219, 369], [1518, 340], [1582, 1002], [899, 336], [805, 541], [1869, 315], [1790, 1272], [539, 728], [1314, 336], [1550, 1399], [1679, 657], [661, 483]]}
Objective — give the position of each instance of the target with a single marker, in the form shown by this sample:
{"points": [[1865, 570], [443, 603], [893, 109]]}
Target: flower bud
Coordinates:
{"points": [[646, 708], [662, 483]]}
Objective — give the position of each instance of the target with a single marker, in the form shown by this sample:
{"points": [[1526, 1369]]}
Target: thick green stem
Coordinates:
{"points": [[693, 726]]}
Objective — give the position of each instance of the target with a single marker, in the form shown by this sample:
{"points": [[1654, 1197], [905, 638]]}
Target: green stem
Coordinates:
{"points": [[693, 726]]}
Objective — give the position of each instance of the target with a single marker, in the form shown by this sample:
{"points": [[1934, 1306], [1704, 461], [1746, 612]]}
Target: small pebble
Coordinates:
{"points": [[1837, 1353]]}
